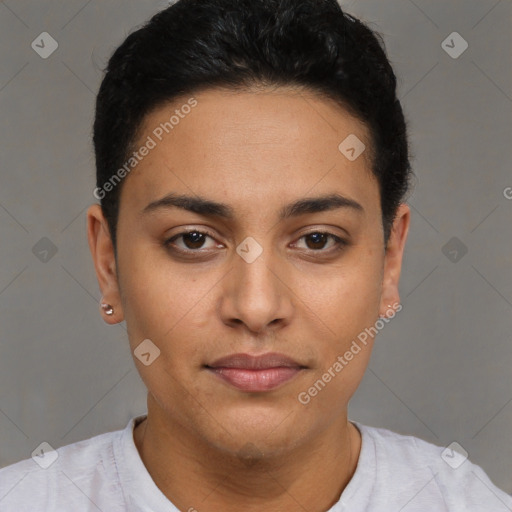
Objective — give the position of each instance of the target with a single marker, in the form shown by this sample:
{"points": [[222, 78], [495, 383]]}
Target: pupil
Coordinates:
{"points": [[318, 238], [196, 239]]}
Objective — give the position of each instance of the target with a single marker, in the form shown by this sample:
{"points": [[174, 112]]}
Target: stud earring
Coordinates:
{"points": [[107, 309], [385, 316]]}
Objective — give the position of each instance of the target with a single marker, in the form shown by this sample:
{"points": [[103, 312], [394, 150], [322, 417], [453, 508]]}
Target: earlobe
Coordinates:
{"points": [[102, 251], [106, 308], [393, 259]]}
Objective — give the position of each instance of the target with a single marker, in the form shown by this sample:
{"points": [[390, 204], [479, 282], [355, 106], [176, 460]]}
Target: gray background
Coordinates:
{"points": [[440, 369]]}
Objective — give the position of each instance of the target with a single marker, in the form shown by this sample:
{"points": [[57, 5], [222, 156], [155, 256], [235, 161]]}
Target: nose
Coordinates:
{"points": [[256, 294]]}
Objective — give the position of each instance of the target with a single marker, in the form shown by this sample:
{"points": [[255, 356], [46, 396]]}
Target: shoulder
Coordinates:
{"points": [[77, 471], [419, 467]]}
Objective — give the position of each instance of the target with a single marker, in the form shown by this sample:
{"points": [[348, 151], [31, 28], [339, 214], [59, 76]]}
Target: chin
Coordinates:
{"points": [[270, 429]]}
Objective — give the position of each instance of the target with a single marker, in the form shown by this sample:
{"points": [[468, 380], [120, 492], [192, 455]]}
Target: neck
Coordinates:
{"points": [[195, 475]]}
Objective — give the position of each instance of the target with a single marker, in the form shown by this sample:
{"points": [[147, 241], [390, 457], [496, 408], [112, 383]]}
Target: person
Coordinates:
{"points": [[252, 169]]}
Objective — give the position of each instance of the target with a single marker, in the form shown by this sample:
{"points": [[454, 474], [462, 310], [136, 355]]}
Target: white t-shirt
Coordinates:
{"points": [[105, 473]]}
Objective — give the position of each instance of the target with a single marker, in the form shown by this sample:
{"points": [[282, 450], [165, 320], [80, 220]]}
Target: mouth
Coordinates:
{"points": [[256, 373]]}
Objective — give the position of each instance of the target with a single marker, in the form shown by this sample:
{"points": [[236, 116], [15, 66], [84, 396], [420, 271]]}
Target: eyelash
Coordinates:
{"points": [[340, 243]]}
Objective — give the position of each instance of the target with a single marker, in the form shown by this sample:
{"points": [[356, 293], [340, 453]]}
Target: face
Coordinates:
{"points": [[277, 251]]}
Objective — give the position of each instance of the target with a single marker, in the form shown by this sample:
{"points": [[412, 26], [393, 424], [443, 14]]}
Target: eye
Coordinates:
{"points": [[317, 240], [191, 241]]}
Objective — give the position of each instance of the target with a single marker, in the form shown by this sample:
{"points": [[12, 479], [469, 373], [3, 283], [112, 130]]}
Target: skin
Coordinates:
{"points": [[207, 445]]}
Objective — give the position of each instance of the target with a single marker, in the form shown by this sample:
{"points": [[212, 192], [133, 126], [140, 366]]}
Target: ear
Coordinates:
{"points": [[393, 259], [102, 251]]}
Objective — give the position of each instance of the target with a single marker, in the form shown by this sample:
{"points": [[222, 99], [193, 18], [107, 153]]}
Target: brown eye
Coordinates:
{"points": [[318, 240], [194, 240], [191, 241]]}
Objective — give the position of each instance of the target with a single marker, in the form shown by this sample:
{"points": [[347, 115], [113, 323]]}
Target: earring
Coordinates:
{"points": [[385, 316], [107, 309]]}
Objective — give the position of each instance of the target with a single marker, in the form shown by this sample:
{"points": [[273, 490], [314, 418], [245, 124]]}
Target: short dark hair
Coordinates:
{"points": [[198, 44]]}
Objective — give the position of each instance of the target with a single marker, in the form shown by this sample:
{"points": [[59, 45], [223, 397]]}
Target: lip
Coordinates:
{"points": [[250, 373]]}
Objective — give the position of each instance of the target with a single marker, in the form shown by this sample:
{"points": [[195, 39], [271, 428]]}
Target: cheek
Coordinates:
{"points": [[345, 306], [159, 299], [171, 309], [345, 296], [330, 391], [342, 364]]}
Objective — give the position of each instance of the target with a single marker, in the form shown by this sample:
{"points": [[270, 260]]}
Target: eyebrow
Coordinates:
{"points": [[208, 208]]}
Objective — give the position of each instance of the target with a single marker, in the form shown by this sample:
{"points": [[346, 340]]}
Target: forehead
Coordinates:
{"points": [[238, 146]]}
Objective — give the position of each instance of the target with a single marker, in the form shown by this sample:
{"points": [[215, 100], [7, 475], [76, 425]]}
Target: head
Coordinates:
{"points": [[252, 163]]}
